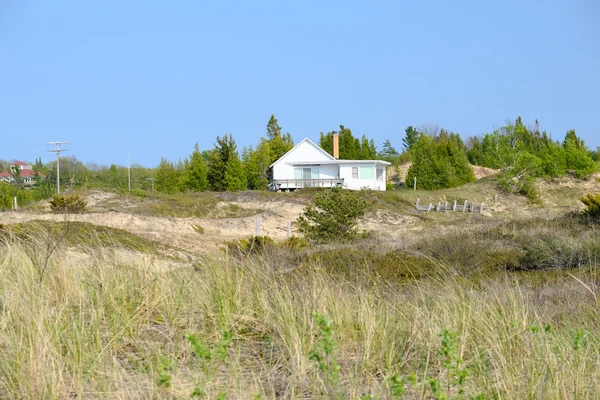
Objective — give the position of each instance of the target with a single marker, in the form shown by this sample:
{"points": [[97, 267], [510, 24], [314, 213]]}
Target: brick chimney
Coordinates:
{"points": [[335, 146]]}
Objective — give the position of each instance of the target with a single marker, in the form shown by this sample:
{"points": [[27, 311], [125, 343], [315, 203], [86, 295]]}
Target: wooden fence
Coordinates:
{"points": [[467, 206]]}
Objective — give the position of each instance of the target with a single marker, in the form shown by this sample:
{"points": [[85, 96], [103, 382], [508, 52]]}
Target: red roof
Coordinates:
{"points": [[20, 163], [25, 173]]}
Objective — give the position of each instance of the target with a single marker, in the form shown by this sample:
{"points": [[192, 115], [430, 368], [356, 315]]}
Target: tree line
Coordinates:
{"points": [[440, 159]]}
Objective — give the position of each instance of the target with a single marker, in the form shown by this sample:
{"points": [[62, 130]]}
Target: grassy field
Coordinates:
{"points": [[511, 311]]}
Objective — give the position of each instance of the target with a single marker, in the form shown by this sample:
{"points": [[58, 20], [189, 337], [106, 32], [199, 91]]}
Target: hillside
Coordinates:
{"points": [[137, 298]]}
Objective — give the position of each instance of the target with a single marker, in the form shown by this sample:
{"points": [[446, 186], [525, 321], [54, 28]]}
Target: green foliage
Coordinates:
{"points": [[411, 136], [388, 152], [67, 204], [333, 216], [452, 380], [439, 162], [351, 148], [524, 154], [167, 177], [256, 165], [592, 204], [195, 175], [252, 245], [72, 173], [198, 229], [279, 143], [235, 175], [323, 353], [210, 358], [217, 163]]}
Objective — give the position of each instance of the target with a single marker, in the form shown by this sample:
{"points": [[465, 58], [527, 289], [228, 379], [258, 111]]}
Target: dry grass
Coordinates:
{"points": [[98, 328]]}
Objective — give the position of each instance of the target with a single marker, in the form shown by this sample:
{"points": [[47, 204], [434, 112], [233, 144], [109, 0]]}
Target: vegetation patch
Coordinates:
{"points": [[78, 234], [333, 216], [67, 204]]}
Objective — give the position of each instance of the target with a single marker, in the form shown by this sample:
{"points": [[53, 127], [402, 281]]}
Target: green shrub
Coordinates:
{"points": [[252, 245], [67, 204], [295, 242], [592, 204], [439, 162], [333, 216], [198, 229]]}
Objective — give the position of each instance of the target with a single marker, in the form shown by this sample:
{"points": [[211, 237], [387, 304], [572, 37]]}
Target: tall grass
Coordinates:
{"points": [[96, 327]]}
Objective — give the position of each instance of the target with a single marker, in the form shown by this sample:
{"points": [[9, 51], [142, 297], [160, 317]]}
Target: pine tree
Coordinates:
{"points": [[278, 144], [256, 164], [388, 153], [439, 163], [410, 138], [235, 176], [217, 162], [196, 171], [166, 179]]}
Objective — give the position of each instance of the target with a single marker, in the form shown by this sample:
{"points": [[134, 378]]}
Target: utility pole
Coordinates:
{"points": [[57, 151]]}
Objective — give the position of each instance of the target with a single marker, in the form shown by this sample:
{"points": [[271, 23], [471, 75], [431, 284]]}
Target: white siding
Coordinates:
{"points": [[356, 184], [306, 151]]}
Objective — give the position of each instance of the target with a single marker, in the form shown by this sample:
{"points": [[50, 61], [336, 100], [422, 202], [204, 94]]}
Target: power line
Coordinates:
{"points": [[58, 150]]}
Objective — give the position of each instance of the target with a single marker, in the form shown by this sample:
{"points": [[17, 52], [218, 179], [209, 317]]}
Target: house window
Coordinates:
{"points": [[306, 173], [379, 174], [366, 172], [354, 172]]}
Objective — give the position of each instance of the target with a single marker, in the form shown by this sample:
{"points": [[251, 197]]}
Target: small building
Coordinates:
{"points": [[308, 165], [27, 173]]}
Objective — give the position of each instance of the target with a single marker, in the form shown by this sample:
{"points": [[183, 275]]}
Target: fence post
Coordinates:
{"points": [[258, 226], [289, 229], [415, 184], [465, 206], [15, 204], [454, 206], [473, 206], [438, 206], [430, 205], [481, 207]]}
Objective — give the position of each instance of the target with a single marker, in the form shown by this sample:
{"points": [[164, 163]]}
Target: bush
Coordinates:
{"points": [[67, 204], [592, 204], [295, 243], [334, 216], [252, 245], [439, 162]]}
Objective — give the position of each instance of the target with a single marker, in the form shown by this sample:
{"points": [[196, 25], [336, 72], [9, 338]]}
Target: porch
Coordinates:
{"points": [[293, 184]]}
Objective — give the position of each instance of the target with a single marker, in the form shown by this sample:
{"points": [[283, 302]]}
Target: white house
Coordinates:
{"points": [[308, 165]]}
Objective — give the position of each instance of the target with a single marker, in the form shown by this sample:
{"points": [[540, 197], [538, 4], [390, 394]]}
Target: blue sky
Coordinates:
{"points": [[152, 78]]}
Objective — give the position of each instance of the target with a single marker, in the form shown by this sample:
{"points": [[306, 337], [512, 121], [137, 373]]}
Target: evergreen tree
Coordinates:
{"points": [[273, 128], [196, 171], [439, 162], [256, 165], [410, 138], [278, 144], [235, 176], [578, 158], [167, 179], [217, 162], [388, 153]]}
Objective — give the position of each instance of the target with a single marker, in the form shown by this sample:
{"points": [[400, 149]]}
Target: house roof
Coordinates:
{"points": [[20, 163], [335, 162], [25, 173], [298, 145]]}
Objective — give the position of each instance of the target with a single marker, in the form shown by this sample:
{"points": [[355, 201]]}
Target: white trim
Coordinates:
{"points": [[334, 161], [313, 144]]}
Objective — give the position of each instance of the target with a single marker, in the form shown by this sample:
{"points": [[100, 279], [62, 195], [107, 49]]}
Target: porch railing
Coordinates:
{"points": [[284, 184]]}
